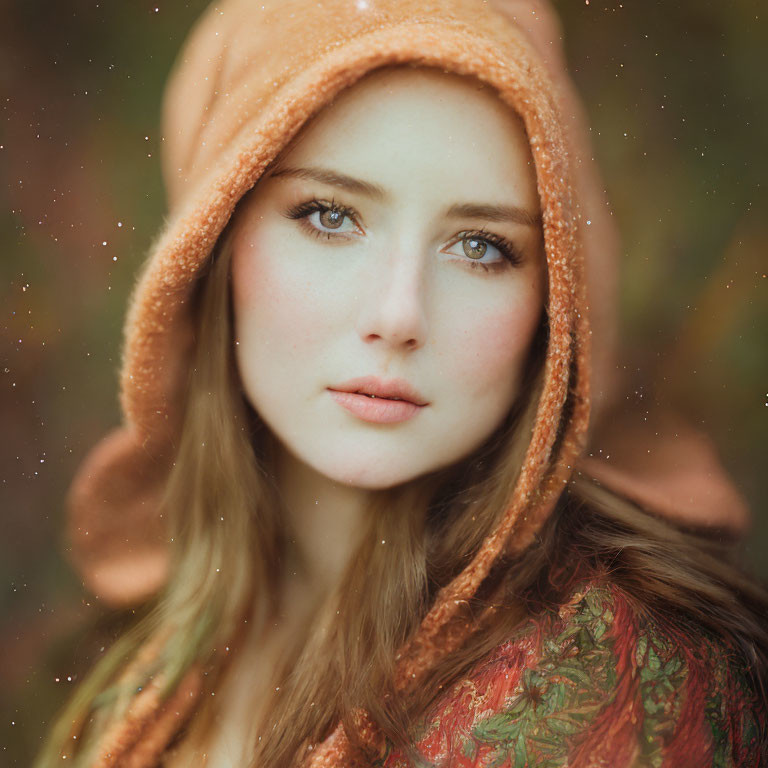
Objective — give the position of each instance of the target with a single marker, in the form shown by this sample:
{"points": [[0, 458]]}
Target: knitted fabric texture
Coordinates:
{"points": [[250, 76], [247, 80]]}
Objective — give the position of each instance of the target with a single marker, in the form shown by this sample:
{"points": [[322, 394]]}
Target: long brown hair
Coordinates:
{"points": [[228, 538]]}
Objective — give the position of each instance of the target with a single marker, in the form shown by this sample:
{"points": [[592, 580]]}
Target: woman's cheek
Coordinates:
{"points": [[495, 349], [274, 301]]}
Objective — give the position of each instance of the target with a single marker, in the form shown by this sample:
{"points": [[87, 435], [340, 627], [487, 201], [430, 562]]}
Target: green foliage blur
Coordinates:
{"points": [[677, 95]]}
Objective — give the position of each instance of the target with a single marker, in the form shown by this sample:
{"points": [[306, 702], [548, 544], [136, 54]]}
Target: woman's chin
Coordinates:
{"points": [[369, 476]]}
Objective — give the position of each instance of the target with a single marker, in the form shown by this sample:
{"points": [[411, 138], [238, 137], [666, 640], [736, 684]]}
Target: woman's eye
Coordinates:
{"points": [[485, 250], [332, 219], [324, 218]]}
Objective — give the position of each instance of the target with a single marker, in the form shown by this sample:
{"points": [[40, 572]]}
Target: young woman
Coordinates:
{"points": [[356, 388]]}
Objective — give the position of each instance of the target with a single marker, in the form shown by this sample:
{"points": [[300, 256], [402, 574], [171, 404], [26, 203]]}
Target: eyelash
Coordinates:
{"points": [[508, 250]]}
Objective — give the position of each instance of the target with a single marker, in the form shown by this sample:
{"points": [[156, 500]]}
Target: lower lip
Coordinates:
{"points": [[377, 410]]}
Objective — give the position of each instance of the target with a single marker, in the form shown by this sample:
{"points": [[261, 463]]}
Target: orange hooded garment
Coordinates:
{"points": [[250, 76]]}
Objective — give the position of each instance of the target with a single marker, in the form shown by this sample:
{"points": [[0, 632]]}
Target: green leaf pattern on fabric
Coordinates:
{"points": [[553, 702], [538, 717]]}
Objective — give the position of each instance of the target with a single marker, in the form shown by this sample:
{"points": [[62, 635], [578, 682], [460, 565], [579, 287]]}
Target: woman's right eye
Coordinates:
{"points": [[325, 218], [331, 219]]}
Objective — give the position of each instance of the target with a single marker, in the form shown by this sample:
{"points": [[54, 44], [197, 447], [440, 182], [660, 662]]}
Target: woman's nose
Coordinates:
{"points": [[393, 310]]}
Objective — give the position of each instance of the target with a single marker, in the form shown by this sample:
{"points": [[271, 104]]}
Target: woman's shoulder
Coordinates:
{"points": [[599, 680]]}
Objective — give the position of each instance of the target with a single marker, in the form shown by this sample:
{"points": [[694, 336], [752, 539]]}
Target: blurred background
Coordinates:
{"points": [[677, 95]]}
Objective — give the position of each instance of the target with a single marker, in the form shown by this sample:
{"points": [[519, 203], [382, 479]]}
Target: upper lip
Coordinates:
{"points": [[391, 388]]}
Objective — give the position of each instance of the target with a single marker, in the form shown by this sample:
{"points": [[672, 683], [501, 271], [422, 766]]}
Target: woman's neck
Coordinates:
{"points": [[326, 520]]}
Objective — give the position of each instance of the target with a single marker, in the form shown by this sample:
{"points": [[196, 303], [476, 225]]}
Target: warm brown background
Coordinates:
{"points": [[678, 97]]}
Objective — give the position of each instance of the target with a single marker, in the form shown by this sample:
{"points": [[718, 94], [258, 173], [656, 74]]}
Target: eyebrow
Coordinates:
{"points": [[499, 213], [335, 179], [511, 213]]}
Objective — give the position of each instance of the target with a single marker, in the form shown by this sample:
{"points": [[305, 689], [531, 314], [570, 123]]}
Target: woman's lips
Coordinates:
{"points": [[393, 389], [378, 410]]}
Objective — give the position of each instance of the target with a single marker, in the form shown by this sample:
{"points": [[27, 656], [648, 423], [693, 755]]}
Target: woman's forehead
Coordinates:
{"points": [[420, 128]]}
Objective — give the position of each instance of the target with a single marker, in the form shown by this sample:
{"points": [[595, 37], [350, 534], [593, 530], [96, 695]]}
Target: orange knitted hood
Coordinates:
{"points": [[249, 77]]}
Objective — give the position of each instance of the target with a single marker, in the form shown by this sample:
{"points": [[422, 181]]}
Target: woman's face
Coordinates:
{"points": [[394, 250]]}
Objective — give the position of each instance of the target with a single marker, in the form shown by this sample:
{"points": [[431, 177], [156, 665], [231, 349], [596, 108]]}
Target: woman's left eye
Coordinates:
{"points": [[485, 250]]}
